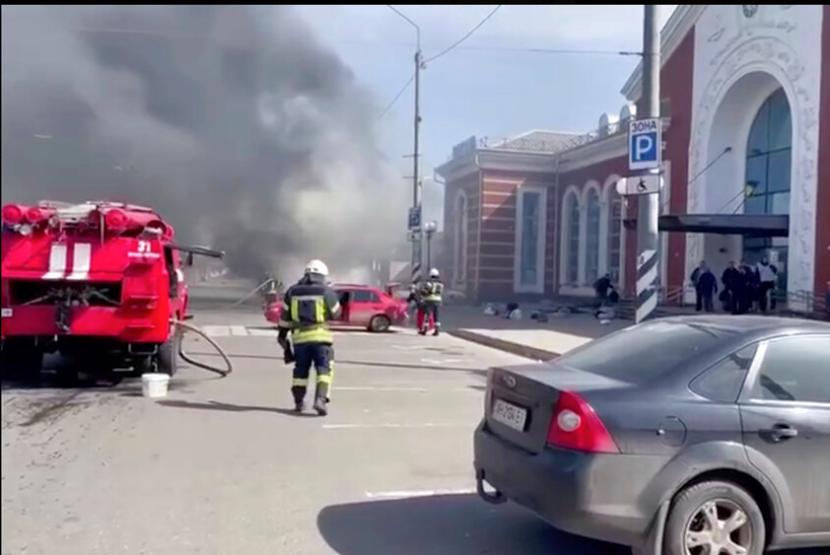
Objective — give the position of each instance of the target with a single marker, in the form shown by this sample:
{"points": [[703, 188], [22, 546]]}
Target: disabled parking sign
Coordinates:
{"points": [[645, 138]]}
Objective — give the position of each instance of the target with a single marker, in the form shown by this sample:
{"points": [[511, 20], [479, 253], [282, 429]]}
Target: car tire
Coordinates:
{"points": [[380, 324], [168, 355], [698, 506], [21, 362]]}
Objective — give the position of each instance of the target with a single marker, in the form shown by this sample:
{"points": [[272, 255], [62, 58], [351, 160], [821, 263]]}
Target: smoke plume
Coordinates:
{"points": [[233, 122]]}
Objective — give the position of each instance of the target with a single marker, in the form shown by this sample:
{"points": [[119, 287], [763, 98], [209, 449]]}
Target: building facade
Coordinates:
{"points": [[745, 100]]}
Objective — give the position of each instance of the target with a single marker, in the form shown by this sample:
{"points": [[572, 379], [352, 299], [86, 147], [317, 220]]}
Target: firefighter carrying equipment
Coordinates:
{"points": [[307, 307]]}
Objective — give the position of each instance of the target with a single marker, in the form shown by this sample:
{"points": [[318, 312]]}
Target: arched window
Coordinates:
{"points": [[769, 158], [592, 236], [768, 174], [614, 234], [573, 214]]}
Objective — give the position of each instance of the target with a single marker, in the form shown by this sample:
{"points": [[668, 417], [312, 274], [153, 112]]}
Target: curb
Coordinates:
{"points": [[507, 346]]}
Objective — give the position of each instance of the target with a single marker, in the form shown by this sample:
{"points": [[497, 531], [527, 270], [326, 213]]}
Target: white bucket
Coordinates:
{"points": [[154, 385]]}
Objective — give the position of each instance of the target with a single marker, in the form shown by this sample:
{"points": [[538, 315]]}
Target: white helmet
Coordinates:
{"points": [[434, 273], [317, 267]]}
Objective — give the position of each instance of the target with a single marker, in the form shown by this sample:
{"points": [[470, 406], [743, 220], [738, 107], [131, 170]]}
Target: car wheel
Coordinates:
{"points": [[168, 355], [21, 362], [380, 324], [714, 518]]}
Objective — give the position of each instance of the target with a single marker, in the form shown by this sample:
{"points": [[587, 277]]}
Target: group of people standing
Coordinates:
{"points": [[744, 287]]}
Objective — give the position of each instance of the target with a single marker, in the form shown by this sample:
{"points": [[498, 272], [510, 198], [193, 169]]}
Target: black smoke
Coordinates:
{"points": [[233, 122]]}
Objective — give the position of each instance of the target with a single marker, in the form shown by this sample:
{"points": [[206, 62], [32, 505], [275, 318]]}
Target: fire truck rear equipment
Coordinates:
{"points": [[100, 281]]}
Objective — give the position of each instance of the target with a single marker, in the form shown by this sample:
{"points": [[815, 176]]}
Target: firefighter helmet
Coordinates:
{"points": [[434, 273], [317, 267]]}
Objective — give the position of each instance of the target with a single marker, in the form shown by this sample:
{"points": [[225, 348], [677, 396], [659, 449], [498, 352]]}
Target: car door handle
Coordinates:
{"points": [[780, 432]]}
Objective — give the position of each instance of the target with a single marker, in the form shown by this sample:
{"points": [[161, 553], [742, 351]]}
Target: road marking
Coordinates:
{"points": [[239, 331], [442, 361], [216, 331], [417, 493], [259, 332], [382, 388], [393, 426]]}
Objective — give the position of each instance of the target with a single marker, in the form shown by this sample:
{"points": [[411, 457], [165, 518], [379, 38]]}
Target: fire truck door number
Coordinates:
{"points": [[144, 247]]}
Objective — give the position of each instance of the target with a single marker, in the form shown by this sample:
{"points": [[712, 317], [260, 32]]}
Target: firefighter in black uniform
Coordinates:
{"points": [[306, 309], [432, 297]]}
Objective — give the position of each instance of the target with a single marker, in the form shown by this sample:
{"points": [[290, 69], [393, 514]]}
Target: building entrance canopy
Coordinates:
{"points": [[751, 225]]}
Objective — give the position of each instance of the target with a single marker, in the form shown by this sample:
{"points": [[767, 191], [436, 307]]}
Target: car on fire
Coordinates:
{"points": [[712, 433], [98, 281], [362, 306]]}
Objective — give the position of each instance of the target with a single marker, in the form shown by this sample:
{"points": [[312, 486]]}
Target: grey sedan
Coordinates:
{"points": [[680, 436]]}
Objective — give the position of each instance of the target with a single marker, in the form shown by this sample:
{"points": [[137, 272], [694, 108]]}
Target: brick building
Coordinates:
{"points": [[745, 97]]}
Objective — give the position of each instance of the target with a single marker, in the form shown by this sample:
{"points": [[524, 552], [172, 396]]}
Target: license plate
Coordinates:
{"points": [[510, 415], [7, 313]]}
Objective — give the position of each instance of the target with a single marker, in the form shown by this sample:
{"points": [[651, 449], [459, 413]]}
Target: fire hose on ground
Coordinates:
{"points": [[195, 329]]}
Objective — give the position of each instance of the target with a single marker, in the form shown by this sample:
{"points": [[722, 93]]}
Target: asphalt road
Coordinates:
{"points": [[222, 465]]}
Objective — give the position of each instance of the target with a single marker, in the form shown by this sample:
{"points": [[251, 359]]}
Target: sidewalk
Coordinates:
{"points": [[526, 337]]}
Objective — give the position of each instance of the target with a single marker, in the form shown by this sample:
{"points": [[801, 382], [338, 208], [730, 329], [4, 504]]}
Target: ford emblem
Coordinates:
{"points": [[508, 380]]}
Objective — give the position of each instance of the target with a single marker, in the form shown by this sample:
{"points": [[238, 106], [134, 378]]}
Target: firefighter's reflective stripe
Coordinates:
{"points": [[324, 378], [434, 291], [299, 382], [312, 334]]}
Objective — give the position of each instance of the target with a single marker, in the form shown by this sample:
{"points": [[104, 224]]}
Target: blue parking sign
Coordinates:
{"points": [[645, 138]]}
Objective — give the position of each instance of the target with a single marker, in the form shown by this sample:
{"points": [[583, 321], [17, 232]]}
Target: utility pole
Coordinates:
{"points": [[648, 240], [416, 231], [416, 185]]}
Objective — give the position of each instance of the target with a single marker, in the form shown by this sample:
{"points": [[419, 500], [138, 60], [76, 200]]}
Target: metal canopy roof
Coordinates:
{"points": [[755, 225]]}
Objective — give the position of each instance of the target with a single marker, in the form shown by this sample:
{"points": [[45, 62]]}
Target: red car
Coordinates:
{"points": [[363, 306]]}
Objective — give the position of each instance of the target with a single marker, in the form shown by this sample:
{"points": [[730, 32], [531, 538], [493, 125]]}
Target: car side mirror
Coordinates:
{"points": [[189, 260]]}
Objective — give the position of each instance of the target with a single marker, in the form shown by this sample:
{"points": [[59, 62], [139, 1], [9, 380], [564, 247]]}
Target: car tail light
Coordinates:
{"points": [[575, 425], [35, 215], [115, 219], [13, 214]]}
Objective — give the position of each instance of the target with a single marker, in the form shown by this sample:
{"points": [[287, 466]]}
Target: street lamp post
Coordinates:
{"points": [[430, 228]]}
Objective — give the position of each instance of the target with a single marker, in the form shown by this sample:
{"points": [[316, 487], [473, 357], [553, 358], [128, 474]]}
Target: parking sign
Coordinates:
{"points": [[645, 138]]}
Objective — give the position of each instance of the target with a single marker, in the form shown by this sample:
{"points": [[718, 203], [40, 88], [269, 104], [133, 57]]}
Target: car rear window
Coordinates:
{"points": [[642, 353]]}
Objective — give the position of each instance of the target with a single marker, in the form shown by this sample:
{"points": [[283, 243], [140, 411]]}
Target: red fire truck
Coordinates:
{"points": [[101, 282]]}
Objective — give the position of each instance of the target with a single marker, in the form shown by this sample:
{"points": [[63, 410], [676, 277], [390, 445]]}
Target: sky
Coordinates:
{"points": [[488, 86]]}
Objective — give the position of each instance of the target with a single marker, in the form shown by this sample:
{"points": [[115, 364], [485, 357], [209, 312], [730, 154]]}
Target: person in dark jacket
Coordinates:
{"points": [[707, 287], [602, 287], [733, 286], [749, 282]]}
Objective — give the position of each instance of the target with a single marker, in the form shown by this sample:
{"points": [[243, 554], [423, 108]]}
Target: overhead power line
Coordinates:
{"points": [[397, 96], [465, 37]]}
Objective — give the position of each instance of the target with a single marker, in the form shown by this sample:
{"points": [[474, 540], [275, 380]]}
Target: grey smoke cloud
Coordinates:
{"points": [[232, 121]]}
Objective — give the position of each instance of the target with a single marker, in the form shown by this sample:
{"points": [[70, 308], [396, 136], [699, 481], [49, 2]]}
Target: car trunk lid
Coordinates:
{"points": [[520, 401]]}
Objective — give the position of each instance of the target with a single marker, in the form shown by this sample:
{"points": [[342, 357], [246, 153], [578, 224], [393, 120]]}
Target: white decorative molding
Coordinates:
{"points": [[781, 44]]}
